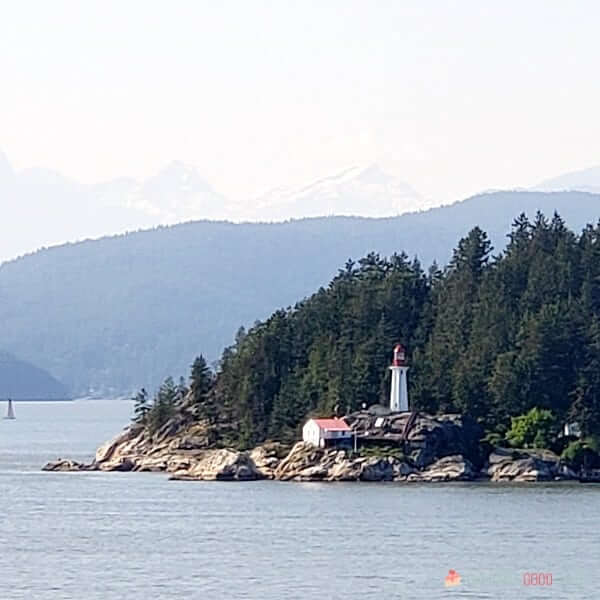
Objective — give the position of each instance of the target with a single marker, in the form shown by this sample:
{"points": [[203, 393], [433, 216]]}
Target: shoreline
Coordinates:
{"points": [[402, 447], [305, 463]]}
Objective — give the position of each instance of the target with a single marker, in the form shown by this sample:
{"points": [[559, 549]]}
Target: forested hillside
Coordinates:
{"points": [[20, 380], [119, 313], [491, 336]]}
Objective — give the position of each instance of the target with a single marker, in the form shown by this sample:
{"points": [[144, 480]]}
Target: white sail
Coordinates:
{"points": [[10, 413]]}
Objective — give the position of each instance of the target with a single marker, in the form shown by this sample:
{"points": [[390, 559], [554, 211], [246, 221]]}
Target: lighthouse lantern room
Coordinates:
{"points": [[399, 388]]}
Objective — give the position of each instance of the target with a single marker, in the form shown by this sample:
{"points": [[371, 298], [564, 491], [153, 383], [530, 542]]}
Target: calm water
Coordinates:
{"points": [[89, 536]]}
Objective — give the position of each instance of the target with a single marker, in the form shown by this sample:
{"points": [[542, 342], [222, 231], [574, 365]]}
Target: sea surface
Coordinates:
{"points": [[139, 536]]}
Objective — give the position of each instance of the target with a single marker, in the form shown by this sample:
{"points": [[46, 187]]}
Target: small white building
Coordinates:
{"points": [[326, 432], [572, 430]]}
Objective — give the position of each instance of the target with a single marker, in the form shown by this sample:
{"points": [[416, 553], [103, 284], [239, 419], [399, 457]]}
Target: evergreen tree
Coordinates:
{"points": [[181, 392], [201, 380], [164, 405], [585, 409], [492, 337], [141, 407], [454, 300]]}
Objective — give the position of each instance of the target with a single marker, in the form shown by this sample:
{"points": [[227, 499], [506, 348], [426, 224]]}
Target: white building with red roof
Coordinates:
{"points": [[326, 432]]}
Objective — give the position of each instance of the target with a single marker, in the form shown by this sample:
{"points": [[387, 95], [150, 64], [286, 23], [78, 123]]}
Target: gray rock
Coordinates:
{"points": [[377, 469], [65, 465], [122, 463], [402, 470], [221, 465], [564, 472], [267, 457], [302, 458], [522, 465], [429, 438], [589, 476], [450, 468], [106, 451], [346, 470]]}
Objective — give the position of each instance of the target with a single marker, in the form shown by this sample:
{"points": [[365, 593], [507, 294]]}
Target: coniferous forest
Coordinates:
{"points": [[106, 317], [493, 336]]}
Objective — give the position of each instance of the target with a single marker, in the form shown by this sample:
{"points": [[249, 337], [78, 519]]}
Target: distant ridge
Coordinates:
{"points": [[66, 209], [365, 191], [110, 315], [586, 180], [20, 380]]}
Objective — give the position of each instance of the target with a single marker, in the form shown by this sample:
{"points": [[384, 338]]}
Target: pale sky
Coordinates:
{"points": [[452, 97]]}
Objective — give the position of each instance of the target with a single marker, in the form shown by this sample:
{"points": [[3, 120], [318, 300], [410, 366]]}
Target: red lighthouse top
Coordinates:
{"points": [[399, 356]]}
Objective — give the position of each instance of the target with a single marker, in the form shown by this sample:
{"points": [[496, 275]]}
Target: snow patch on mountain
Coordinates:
{"points": [[584, 180], [358, 191], [48, 208]]}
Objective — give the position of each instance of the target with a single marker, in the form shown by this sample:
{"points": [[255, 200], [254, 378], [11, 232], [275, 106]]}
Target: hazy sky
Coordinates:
{"points": [[453, 97]]}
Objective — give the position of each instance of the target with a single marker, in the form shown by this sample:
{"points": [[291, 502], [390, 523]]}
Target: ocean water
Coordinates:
{"points": [[138, 536]]}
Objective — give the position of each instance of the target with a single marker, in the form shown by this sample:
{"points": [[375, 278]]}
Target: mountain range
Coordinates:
{"points": [[585, 180], [110, 315], [365, 192], [47, 208]]}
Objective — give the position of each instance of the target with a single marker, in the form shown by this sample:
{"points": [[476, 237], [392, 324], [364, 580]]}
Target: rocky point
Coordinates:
{"points": [[405, 447]]}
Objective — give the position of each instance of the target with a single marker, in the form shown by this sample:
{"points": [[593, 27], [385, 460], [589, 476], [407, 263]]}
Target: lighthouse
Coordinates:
{"points": [[399, 389]]}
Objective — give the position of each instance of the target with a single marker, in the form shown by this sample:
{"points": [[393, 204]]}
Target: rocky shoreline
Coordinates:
{"points": [[441, 448]]}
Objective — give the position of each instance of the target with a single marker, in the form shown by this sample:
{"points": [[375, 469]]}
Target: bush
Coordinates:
{"points": [[592, 443], [535, 429], [493, 439], [574, 454], [582, 453], [382, 452]]}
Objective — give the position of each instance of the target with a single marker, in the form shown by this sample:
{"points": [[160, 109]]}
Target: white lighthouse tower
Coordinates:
{"points": [[399, 389]]}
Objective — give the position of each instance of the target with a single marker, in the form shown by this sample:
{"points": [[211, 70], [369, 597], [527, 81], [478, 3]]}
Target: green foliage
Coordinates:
{"points": [[535, 429], [512, 340], [201, 380], [493, 439], [201, 384], [125, 311], [382, 452], [181, 391], [584, 453], [493, 337], [574, 454], [164, 406], [593, 443], [141, 407], [331, 350]]}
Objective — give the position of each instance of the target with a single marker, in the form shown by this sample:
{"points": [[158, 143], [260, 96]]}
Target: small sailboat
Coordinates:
{"points": [[10, 413]]}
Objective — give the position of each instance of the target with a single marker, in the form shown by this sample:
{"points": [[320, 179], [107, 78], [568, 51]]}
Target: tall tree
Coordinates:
{"points": [[141, 407], [164, 405], [489, 336], [201, 380], [453, 305]]}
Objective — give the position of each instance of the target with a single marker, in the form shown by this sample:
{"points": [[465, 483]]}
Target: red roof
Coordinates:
{"points": [[332, 424]]}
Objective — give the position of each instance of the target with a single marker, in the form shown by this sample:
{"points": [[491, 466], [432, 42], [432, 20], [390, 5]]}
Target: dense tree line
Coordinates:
{"points": [[107, 316], [491, 336]]}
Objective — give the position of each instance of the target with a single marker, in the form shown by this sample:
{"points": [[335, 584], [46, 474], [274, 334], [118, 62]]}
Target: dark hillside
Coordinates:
{"points": [[117, 313], [20, 380]]}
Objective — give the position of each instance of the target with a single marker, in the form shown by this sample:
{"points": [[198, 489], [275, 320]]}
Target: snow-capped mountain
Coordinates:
{"points": [[44, 208], [359, 191], [585, 180], [179, 193]]}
